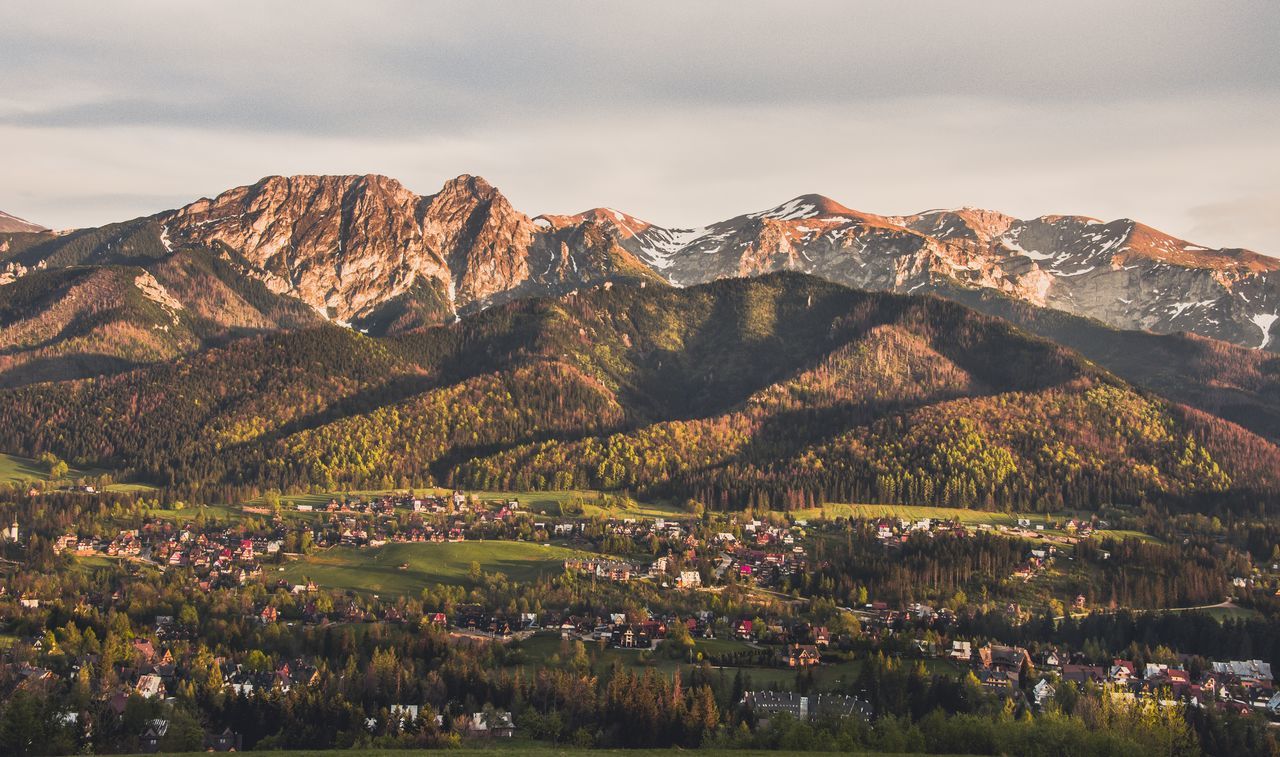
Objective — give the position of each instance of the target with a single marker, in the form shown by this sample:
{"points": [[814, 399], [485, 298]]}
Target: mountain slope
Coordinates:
{"points": [[1123, 273], [13, 224], [782, 389], [1239, 384], [87, 321]]}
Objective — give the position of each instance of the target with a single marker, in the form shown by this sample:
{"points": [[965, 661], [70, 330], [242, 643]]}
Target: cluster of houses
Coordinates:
{"points": [[1242, 685], [603, 568], [897, 530], [220, 553], [218, 557], [799, 644], [152, 671]]}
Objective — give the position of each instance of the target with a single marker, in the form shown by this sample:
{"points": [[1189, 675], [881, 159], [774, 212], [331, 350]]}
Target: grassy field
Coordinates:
{"points": [[24, 470], [520, 746], [916, 512], [15, 469], [190, 512], [965, 516], [1120, 533], [548, 502], [1222, 614], [909, 512], [136, 488], [378, 570], [20, 470]]}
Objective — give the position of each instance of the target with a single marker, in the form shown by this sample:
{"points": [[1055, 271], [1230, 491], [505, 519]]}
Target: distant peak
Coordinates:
{"points": [[613, 216], [469, 185], [10, 224], [825, 205], [806, 206]]}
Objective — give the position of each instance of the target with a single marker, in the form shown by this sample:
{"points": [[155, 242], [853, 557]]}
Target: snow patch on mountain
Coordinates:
{"points": [[791, 210], [1264, 322]]}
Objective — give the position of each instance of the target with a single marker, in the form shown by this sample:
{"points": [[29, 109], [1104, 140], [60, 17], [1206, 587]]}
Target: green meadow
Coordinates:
{"points": [[15, 469], [550, 503], [405, 568]]}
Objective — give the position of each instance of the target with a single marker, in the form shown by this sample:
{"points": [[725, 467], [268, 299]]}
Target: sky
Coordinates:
{"points": [[681, 113]]}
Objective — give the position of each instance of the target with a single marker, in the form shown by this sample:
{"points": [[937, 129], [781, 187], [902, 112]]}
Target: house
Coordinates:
{"points": [[150, 686], [1121, 671], [1247, 672], [144, 649], [1004, 659], [1273, 705], [152, 735], [743, 629], [631, 637], [821, 637], [1042, 692], [961, 651], [803, 655], [998, 679], [1082, 674], [494, 724], [227, 741], [689, 579]]}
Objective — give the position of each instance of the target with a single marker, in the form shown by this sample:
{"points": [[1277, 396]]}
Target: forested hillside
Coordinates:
{"points": [[782, 391], [1239, 384]]}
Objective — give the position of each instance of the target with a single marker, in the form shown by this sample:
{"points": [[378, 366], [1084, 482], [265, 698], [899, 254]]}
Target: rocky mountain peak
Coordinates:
{"points": [[342, 244]]}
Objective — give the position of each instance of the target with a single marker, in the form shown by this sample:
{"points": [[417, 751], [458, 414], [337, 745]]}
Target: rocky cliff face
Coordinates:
{"points": [[348, 245]]}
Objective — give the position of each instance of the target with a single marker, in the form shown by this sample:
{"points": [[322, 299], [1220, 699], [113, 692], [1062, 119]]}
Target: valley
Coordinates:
{"points": [[504, 459]]}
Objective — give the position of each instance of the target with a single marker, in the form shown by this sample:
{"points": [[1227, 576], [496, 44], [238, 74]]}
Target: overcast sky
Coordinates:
{"points": [[681, 113]]}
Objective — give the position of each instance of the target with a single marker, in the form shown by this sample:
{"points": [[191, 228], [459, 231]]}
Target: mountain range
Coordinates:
{"points": [[163, 347], [367, 251]]}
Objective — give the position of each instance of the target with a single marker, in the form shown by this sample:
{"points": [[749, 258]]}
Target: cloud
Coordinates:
{"points": [[681, 112], [1252, 222]]}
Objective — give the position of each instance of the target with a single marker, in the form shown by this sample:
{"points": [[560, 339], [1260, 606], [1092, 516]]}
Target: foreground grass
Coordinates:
{"points": [[379, 570], [516, 746]]}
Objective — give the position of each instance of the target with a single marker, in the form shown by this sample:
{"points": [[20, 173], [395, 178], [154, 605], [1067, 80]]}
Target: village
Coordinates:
{"points": [[688, 555]]}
